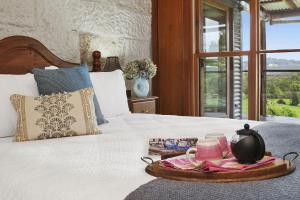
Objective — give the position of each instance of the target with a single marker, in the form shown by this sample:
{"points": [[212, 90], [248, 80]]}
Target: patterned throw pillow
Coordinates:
{"points": [[55, 116]]}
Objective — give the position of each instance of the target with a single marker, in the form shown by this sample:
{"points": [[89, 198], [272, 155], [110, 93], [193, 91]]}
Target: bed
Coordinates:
{"points": [[105, 166]]}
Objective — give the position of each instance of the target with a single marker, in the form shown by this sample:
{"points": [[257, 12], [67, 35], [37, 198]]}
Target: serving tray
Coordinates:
{"points": [[278, 168]]}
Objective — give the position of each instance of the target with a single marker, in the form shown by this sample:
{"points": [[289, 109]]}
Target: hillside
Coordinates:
{"points": [[278, 64]]}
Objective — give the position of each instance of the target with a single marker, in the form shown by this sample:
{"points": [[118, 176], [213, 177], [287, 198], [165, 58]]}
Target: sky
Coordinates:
{"points": [[279, 36]]}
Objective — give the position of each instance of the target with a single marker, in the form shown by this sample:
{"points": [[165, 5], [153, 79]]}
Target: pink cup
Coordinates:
{"points": [[207, 149], [223, 142]]}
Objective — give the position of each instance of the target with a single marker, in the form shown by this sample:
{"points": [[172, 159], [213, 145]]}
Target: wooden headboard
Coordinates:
{"points": [[20, 54]]}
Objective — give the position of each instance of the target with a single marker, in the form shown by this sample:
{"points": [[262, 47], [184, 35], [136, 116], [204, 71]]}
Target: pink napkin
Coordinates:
{"points": [[223, 165]]}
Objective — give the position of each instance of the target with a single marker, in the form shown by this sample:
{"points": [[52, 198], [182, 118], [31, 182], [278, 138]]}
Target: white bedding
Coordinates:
{"points": [[106, 166]]}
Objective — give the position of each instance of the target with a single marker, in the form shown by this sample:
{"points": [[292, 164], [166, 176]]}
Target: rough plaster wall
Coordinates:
{"points": [[118, 27]]}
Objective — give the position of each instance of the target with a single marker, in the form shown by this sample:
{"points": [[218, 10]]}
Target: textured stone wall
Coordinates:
{"points": [[115, 27]]}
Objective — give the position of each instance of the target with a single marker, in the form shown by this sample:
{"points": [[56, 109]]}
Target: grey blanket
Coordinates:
{"points": [[279, 138]]}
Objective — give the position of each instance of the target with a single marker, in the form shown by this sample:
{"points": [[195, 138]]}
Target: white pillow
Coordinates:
{"points": [[9, 85], [51, 67], [110, 90]]}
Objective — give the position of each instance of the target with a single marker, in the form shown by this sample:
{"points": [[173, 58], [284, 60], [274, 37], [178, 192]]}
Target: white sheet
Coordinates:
{"points": [[106, 166]]}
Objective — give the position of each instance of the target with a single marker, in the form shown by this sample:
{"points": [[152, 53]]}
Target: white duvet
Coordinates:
{"points": [[105, 166]]}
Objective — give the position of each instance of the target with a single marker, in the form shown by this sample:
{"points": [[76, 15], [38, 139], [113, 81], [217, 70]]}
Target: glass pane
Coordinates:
{"points": [[215, 86], [281, 87], [280, 24], [222, 86], [214, 29], [244, 27], [244, 87], [225, 25]]}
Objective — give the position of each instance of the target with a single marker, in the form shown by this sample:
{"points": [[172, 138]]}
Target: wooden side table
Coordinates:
{"points": [[143, 104]]}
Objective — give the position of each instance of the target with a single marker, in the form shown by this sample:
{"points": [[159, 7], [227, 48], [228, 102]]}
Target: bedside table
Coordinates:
{"points": [[143, 104]]}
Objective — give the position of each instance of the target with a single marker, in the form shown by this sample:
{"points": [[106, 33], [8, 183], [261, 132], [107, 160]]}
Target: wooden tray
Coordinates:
{"points": [[279, 168]]}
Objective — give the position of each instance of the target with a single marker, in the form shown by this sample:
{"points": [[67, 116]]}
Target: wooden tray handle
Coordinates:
{"points": [[146, 160], [296, 155]]}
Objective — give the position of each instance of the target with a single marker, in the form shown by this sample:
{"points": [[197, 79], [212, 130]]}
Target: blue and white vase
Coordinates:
{"points": [[141, 87]]}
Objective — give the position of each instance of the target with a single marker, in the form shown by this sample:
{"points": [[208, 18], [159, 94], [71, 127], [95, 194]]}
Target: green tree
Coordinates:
{"points": [[245, 84], [279, 110], [274, 91], [281, 101], [295, 99], [295, 86]]}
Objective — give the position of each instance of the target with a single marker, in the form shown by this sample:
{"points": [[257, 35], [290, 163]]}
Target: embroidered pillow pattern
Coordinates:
{"points": [[55, 116], [55, 120]]}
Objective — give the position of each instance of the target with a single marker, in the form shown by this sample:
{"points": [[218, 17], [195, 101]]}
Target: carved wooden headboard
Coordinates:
{"points": [[20, 54]]}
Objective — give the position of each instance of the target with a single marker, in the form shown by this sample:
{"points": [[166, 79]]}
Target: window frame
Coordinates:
{"points": [[256, 103]]}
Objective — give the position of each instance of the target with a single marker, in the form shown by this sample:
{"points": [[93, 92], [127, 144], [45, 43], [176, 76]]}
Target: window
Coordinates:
{"points": [[280, 60], [221, 74], [249, 54]]}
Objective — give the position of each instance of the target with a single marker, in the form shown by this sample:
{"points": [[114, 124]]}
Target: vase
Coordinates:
{"points": [[141, 87]]}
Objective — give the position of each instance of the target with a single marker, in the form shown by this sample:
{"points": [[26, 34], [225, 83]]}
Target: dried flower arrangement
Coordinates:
{"points": [[144, 68]]}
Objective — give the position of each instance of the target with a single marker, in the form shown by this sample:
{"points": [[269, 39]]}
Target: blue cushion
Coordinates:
{"points": [[66, 80]]}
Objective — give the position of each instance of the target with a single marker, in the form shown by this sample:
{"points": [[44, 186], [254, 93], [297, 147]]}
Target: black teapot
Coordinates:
{"points": [[247, 146]]}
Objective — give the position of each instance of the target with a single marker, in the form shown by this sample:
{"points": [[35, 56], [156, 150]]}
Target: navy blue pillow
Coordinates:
{"points": [[66, 80]]}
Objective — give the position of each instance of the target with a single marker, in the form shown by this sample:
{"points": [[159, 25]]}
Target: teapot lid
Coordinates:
{"points": [[246, 130]]}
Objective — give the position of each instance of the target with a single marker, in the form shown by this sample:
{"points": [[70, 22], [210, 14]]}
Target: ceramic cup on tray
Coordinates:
{"points": [[206, 149], [223, 142]]}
